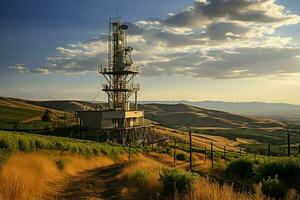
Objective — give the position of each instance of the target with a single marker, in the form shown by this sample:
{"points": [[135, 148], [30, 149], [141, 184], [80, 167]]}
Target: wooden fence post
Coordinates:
{"points": [[129, 151], [205, 154], [191, 150], [225, 153], [269, 150], [212, 155], [289, 145], [174, 152]]}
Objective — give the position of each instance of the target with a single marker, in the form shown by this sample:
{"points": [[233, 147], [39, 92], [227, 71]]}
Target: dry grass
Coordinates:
{"points": [[207, 190], [25, 176], [151, 187], [200, 140], [31, 175], [145, 187]]}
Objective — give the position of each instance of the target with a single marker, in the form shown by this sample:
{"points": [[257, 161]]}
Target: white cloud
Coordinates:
{"points": [[218, 39], [20, 68]]}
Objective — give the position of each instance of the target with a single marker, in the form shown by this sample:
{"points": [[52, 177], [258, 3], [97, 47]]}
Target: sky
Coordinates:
{"points": [[219, 50]]}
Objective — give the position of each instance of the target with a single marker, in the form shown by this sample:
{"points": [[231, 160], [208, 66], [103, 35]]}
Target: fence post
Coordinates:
{"points": [[289, 145], [240, 151], [255, 154], [212, 155], [205, 154], [225, 153], [190, 133], [175, 191], [299, 149], [129, 151], [269, 150], [174, 152]]}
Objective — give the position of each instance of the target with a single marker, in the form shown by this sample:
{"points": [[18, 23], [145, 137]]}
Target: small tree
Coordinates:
{"points": [[47, 116], [240, 168], [273, 188]]}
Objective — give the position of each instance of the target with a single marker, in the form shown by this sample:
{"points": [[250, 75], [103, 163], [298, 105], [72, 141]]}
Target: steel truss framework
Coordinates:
{"points": [[137, 136]]}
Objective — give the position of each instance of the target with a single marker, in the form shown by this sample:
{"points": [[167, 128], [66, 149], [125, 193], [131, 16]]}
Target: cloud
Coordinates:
{"points": [[40, 71], [20, 68], [219, 64], [220, 39], [258, 11]]}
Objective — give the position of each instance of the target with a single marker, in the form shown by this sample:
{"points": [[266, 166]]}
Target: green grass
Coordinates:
{"points": [[14, 115], [11, 141], [277, 139]]}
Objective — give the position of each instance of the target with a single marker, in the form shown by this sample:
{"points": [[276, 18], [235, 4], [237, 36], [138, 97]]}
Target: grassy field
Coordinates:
{"points": [[258, 140], [12, 115], [11, 141]]}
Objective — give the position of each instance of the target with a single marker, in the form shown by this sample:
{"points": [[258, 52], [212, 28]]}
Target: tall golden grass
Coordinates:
{"points": [[151, 187], [207, 190], [30, 175]]}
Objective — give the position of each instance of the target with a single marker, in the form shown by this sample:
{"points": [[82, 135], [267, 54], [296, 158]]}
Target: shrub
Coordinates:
{"points": [[240, 168], [165, 150], [47, 116], [273, 188], [181, 156], [60, 164], [24, 144], [185, 181], [287, 170], [13, 141], [138, 177]]}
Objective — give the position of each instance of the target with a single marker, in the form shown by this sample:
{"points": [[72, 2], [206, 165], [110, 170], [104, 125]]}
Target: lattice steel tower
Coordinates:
{"points": [[120, 71], [120, 121]]}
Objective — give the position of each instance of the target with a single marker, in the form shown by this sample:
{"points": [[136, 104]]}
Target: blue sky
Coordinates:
{"points": [[203, 50]]}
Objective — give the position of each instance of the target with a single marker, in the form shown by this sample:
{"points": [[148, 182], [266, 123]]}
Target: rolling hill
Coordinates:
{"points": [[282, 111], [23, 111], [182, 115], [170, 115]]}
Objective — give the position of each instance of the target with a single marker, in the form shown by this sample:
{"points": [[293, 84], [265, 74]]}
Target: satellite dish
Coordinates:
{"points": [[124, 27]]}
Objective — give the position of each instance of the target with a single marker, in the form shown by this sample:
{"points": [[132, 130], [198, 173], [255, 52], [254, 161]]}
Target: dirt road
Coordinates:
{"points": [[100, 183]]}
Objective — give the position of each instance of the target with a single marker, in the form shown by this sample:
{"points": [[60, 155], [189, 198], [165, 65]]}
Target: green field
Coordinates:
{"points": [[11, 141], [261, 139], [16, 115]]}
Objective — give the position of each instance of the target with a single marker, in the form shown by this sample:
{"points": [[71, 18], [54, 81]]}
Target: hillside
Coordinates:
{"points": [[19, 110], [181, 115], [64, 105], [170, 115], [282, 111]]}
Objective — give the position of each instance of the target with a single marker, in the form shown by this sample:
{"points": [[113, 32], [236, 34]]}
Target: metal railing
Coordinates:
{"points": [[134, 69], [121, 86]]}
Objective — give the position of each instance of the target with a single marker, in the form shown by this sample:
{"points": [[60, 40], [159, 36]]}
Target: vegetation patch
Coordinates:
{"points": [[11, 141], [273, 188], [240, 168], [138, 177], [14, 115], [183, 181], [60, 164], [181, 156], [286, 169]]}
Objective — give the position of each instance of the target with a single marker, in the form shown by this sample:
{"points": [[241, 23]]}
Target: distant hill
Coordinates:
{"points": [[64, 105], [182, 115], [171, 115], [274, 110], [19, 110]]}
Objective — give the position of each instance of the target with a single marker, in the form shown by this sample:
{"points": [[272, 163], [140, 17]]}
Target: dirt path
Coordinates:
{"points": [[100, 183]]}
